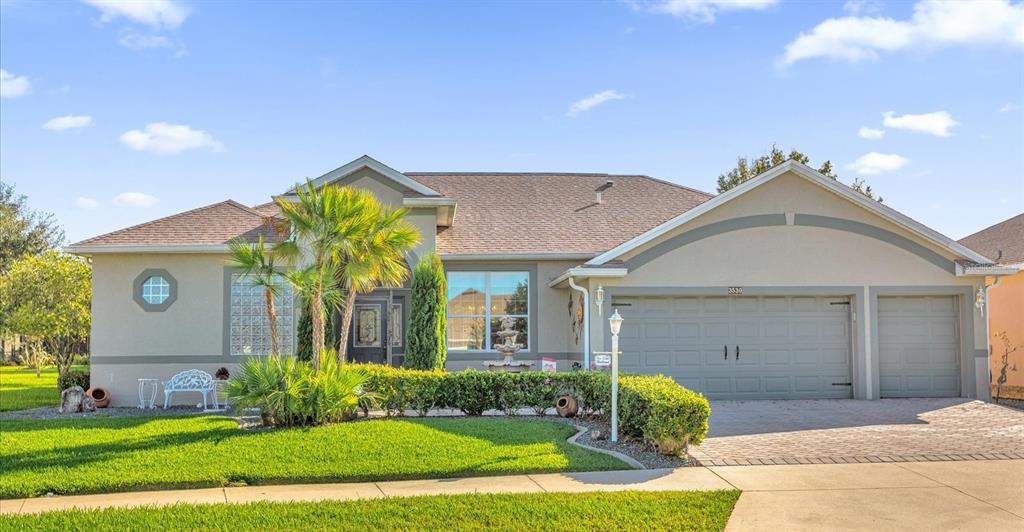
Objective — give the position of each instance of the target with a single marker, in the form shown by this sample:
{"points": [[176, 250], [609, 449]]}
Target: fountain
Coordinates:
{"points": [[509, 348]]}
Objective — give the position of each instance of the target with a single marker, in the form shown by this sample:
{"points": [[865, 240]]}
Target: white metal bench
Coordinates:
{"points": [[193, 380]]}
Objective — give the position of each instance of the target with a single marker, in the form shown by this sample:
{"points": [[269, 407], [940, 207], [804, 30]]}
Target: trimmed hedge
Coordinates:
{"points": [[651, 407], [73, 377]]}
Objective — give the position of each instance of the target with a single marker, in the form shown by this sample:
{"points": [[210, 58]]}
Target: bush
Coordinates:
{"points": [[471, 391], [427, 346], [73, 377], [662, 412], [304, 334]]}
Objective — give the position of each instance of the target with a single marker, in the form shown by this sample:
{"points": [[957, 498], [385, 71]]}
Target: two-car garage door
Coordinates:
{"points": [[792, 347]]}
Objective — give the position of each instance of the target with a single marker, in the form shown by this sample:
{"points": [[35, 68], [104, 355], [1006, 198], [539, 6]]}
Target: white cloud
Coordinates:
{"points": [[703, 11], [67, 122], [593, 101], [86, 203], [153, 13], [133, 40], [875, 163], [870, 133], [938, 123], [934, 24], [134, 199], [12, 86], [164, 138], [862, 7], [1006, 108]]}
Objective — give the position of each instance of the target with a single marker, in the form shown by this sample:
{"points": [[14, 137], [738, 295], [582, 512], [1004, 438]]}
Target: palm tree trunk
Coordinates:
{"points": [[316, 310], [346, 324], [275, 349]]}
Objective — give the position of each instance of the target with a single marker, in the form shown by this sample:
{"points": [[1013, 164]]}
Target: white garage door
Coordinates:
{"points": [[741, 347], [919, 346]]}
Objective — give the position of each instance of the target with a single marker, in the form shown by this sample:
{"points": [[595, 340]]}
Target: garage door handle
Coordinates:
{"points": [[737, 351], [725, 351]]}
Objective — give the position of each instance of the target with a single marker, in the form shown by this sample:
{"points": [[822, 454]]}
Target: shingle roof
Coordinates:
{"points": [[1006, 237], [269, 208], [541, 213], [218, 223]]}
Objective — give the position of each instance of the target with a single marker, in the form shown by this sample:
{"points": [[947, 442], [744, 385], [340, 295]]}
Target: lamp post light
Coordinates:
{"points": [[615, 323]]}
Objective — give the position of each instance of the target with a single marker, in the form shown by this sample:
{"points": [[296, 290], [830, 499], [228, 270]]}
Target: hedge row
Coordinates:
{"points": [[652, 407], [73, 377]]}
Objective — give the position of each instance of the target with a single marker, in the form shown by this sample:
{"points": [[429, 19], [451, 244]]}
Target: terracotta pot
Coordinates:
{"points": [[566, 406], [100, 395]]}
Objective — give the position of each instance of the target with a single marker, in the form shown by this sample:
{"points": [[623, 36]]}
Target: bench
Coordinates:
{"points": [[193, 380]]}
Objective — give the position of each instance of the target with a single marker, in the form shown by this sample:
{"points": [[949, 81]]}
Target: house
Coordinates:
{"points": [[1004, 243], [790, 285]]}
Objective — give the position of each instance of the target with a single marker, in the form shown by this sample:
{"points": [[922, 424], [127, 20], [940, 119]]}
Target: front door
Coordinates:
{"points": [[378, 330]]}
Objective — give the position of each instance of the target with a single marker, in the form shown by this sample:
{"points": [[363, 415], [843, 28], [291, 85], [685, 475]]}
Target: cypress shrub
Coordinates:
{"points": [[304, 332], [426, 346]]}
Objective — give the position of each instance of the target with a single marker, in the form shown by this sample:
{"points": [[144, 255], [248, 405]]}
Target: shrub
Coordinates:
{"points": [[427, 346], [73, 377], [662, 412], [471, 391]]}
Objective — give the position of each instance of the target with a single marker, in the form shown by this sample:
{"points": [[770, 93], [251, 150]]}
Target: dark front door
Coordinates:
{"points": [[378, 330]]}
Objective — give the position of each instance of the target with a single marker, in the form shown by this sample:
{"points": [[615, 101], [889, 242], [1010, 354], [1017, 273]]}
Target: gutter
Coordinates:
{"points": [[988, 337], [586, 273], [513, 256], [132, 248], [586, 322]]}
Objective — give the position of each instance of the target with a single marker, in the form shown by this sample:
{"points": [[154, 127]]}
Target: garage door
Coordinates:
{"points": [[741, 347], [919, 346]]}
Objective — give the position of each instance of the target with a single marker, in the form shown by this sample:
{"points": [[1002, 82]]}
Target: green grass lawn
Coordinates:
{"points": [[67, 456], [20, 389], [630, 510]]}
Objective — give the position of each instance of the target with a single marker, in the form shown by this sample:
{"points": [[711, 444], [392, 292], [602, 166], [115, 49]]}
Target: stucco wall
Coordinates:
{"points": [[1006, 308]]}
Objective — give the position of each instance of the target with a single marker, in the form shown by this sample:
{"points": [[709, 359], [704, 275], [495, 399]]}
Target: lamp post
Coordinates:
{"points": [[615, 323]]}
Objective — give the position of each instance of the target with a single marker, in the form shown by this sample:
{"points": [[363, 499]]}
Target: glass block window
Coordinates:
{"points": [[477, 301], [250, 328], [156, 290]]}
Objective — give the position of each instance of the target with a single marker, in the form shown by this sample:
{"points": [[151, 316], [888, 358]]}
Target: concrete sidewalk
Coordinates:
{"points": [[905, 496]]}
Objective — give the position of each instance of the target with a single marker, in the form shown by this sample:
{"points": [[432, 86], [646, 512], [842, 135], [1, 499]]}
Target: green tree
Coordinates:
{"points": [[747, 169], [258, 263], [24, 231], [47, 297], [304, 334], [427, 346]]}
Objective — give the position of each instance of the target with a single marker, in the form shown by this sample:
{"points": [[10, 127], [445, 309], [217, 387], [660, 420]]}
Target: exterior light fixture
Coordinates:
{"points": [[615, 323], [979, 299], [599, 299]]}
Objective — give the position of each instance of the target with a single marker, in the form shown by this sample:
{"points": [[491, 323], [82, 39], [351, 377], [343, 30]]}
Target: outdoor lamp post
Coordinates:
{"points": [[615, 323]]}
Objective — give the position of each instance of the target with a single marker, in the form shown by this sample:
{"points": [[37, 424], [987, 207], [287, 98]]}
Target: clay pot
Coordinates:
{"points": [[566, 406], [100, 395]]}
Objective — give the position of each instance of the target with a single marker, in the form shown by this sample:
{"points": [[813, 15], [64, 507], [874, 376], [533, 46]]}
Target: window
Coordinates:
{"points": [[249, 325], [155, 290], [477, 301]]}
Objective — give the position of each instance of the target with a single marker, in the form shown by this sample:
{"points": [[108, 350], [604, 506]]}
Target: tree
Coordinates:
{"points": [[304, 335], [747, 169], [376, 259], [258, 263], [426, 346], [24, 231], [47, 298]]}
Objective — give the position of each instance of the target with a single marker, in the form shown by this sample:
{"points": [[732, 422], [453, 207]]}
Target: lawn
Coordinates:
{"points": [[20, 389], [667, 510], [67, 456]]}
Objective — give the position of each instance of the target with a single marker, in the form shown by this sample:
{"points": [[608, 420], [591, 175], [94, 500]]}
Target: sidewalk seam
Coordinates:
{"points": [[954, 488], [542, 489], [380, 490], [713, 472]]}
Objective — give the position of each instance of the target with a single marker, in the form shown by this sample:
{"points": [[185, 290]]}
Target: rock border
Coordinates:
{"points": [[615, 454]]}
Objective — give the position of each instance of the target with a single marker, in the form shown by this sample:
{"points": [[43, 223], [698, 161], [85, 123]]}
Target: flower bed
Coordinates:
{"points": [[652, 407]]}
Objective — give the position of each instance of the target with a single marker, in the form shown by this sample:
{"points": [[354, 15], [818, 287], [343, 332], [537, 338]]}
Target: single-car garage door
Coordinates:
{"points": [[741, 347], [919, 346]]}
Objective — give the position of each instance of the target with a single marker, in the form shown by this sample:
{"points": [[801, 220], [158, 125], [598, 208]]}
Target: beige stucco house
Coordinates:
{"points": [[791, 285]]}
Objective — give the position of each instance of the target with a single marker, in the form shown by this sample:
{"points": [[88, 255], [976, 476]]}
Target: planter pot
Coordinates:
{"points": [[566, 406], [101, 396]]}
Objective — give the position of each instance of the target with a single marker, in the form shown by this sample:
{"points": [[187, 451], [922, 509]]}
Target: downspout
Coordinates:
{"points": [[586, 322], [988, 337]]}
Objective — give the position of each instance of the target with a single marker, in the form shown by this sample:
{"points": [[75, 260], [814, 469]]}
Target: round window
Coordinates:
{"points": [[155, 290]]}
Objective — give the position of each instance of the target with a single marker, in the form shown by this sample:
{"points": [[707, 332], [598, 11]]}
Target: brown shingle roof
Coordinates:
{"points": [[218, 223], [1006, 237], [537, 213], [267, 209]]}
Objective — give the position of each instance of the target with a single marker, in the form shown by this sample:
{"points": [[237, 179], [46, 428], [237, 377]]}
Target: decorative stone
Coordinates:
{"points": [[598, 434], [74, 399]]}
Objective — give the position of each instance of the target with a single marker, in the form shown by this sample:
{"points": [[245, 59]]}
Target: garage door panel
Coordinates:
{"points": [[657, 359], [688, 331], [717, 385], [746, 330], [919, 346], [715, 305], [774, 357], [748, 384], [688, 358], [776, 384], [805, 304]]}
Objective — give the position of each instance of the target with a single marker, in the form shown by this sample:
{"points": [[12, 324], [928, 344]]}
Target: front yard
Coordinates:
{"points": [[21, 389], [679, 510], [73, 456]]}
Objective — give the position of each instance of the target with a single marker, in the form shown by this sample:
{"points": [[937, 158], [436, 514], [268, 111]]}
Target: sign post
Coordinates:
{"points": [[615, 323]]}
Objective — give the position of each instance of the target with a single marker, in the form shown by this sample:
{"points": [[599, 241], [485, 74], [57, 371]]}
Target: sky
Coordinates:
{"points": [[113, 113]]}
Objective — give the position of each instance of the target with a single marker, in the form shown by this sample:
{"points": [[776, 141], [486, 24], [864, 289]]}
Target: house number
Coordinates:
{"points": [[735, 290]]}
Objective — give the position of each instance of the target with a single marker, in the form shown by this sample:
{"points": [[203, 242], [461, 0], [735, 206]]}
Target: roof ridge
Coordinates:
{"points": [[684, 187], [168, 217], [245, 208]]}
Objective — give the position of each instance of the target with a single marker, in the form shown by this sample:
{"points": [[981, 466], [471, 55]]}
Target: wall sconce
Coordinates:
{"points": [[979, 299], [599, 299]]}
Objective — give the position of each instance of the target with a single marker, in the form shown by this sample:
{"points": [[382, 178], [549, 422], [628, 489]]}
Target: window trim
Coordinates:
{"points": [[142, 278], [531, 304]]}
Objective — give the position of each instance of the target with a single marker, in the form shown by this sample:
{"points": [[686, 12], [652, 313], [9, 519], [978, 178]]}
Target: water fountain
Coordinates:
{"points": [[509, 348]]}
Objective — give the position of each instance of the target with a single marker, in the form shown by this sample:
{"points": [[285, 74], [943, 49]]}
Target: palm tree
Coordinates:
{"points": [[258, 264], [376, 259]]}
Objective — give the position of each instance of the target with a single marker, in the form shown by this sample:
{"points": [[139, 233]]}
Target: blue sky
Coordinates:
{"points": [[114, 113]]}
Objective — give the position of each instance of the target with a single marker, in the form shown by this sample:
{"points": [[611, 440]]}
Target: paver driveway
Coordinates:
{"points": [[849, 431]]}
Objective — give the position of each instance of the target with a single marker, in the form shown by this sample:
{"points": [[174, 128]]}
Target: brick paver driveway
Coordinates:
{"points": [[846, 431]]}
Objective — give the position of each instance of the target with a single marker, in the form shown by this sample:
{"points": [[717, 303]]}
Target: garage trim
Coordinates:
{"points": [[968, 354]]}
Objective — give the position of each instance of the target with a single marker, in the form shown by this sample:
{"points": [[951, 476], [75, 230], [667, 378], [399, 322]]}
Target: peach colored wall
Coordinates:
{"points": [[1006, 314]]}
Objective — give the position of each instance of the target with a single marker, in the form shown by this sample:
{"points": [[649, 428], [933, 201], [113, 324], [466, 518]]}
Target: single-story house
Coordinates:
{"points": [[791, 285], [1004, 242]]}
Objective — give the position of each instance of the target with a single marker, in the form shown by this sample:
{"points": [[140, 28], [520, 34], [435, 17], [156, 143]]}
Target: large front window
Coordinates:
{"points": [[250, 327], [477, 301]]}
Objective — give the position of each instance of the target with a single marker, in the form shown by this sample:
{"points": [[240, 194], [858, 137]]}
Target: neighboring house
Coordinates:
{"points": [[791, 285], [1004, 243]]}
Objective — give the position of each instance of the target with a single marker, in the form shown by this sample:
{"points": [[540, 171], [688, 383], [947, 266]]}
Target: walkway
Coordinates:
{"points": [[908, 496]]}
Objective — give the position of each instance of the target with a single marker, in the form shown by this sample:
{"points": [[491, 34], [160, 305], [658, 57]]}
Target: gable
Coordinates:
{"points": [[384, 172]]}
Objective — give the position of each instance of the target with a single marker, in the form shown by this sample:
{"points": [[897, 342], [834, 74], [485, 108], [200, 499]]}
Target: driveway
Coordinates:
{"points": [[853, 431]]}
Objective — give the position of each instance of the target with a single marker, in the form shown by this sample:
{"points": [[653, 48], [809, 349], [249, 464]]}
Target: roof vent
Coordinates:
{"points": [[602, 188]]}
